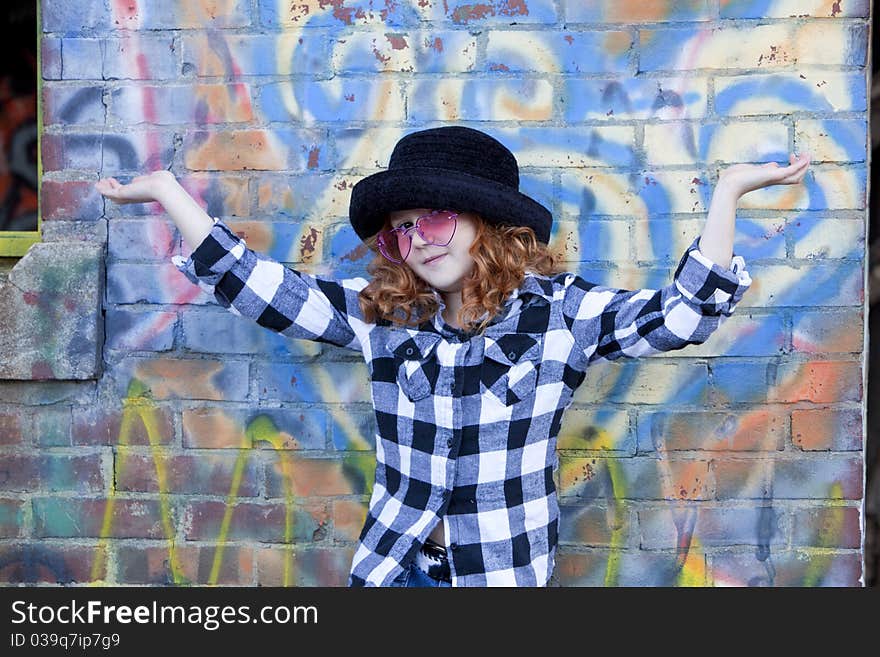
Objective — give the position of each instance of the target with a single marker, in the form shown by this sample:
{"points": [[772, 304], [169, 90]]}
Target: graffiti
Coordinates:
{"points": [[690, 499]]}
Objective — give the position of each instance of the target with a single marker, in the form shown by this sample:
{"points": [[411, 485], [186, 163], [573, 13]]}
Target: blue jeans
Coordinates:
{"points": [[415, 576]]}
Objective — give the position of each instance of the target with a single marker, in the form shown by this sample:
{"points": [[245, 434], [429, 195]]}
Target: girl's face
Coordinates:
{"points": [[442, 267]]}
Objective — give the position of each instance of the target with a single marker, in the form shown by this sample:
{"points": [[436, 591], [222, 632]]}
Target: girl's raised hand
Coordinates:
{"points": [[743, 178], [141, 189]]}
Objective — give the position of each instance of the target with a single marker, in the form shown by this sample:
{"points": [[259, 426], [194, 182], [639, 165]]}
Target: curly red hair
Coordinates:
{"points": [[502, 255]]}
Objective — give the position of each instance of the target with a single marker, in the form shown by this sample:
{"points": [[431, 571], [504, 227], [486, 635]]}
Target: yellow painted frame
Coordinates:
{"points": [[15, 243]]}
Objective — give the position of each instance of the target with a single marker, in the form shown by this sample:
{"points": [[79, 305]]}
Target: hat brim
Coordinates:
{"points": [[373, 197]]}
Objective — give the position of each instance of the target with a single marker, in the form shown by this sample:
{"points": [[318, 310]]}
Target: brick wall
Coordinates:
{"points": [[209, 450]]}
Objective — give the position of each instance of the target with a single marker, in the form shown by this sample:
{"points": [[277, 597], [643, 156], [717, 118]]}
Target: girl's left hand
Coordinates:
{"points": [[744, 178]]}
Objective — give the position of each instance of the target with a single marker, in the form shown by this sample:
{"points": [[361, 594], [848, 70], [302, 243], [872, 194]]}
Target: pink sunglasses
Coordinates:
{"points": [[437, 227]]}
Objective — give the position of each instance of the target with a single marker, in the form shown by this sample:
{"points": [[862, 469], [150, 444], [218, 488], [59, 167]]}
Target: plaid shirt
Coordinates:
{"points": [[467, 424]]}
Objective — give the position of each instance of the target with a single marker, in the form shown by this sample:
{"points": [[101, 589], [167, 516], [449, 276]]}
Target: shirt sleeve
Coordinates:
{"points": [[611, 323], [284, 300]]}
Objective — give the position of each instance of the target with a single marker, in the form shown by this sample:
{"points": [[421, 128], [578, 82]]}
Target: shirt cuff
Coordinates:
{"points": [[709, 287], [215, 256]]}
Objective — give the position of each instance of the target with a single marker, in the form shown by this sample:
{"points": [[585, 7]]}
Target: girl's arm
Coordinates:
{"points": [[248, 283], [191, 220], [608, 323], [716, 242]]}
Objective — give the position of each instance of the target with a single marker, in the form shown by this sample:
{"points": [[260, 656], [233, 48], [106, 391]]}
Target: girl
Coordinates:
{"points": [[475, 343]]}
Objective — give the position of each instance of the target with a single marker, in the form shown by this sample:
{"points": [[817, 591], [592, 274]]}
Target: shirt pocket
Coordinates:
{"points": [[417, 366], [511, 366]]}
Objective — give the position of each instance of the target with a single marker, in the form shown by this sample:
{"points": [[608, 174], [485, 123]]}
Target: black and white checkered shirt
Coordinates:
{"points": [[467, 424]]}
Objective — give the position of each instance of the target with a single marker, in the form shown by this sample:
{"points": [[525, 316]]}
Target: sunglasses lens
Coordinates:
{"points": [[438, 228], [394, 245]]}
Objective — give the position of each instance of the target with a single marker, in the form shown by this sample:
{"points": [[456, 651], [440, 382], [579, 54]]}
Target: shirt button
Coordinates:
{"points": [[512, 355], [409, 351], [449, 442], [453, 546]]}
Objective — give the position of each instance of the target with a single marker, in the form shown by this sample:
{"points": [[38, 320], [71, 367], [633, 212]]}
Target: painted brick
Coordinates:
{"points": [[235, 150], [63, 517], [222, 332], [45, 563], [52, 473], [171, 105], [137, 424], [167, 14], [817, 381], [837, 332], [743, 334], [136, 152], [496, 12], [139, 331], [264, 523], [93, 232], [423, 51], [686, 143], [82, 59], [596, 192], [667, 241], [630, 98], [832, 140], [11, 518], [783, 93], [634, 478], [636, 383], [601, 567], [352, 431], [227, 55], [795, 8], [367, 148], [597, 526], [800, 568], [828, 238], [43, 393], [606, 429], [348, 519], [151, 239], [71, 152], [289, 475], [346, 382], [10, 428], [827, 527], [300, 197], [195, 565], [777, 45], [221, 195], [345, 12], [579, 147], [279, 429], [733, 382], [825, 284], [304, 567], [141, 57], [711, 527], [805, 478], [345, 247], [62, 17], [143, 283], [199, 473], [50, 57], [455, 99], [52, 427], [823, 429], [636, 11], [71, 200], [838, 187], [591, 241], [170, 378], [289, 243], [339, 99], [79, 105], [760, 429], [565, 52]]}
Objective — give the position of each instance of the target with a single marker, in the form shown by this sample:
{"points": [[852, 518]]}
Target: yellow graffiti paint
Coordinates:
{"points": [[828, 534]]}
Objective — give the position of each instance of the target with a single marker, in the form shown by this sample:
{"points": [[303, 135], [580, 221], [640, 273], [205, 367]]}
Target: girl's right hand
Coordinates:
{"points": [[141, 189]]}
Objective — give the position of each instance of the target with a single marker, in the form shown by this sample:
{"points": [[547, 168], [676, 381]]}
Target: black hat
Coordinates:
{"points": [[448, 168]]}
